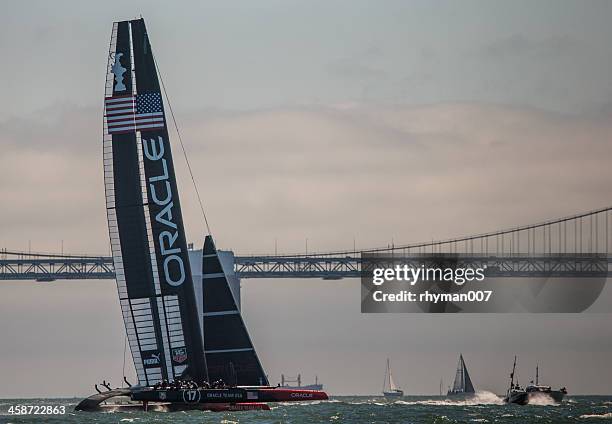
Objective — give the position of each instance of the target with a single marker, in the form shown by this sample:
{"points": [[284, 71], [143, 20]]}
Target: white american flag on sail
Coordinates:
{"points": [[142, 112]]}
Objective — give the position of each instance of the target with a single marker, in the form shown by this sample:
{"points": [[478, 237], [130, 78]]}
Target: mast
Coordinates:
{"points": [[386, 373], [537, 375], [389, 372]]}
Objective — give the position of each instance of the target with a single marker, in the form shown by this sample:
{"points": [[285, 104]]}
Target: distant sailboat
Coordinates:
{"points": [[393, 391], [463, 384]]}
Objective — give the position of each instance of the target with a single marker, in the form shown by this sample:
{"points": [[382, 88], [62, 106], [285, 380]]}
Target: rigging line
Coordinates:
{"points": [[195, 186], [124, 351]]}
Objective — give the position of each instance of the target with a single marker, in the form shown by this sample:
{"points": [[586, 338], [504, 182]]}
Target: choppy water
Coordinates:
{"points": [[486, 408]]}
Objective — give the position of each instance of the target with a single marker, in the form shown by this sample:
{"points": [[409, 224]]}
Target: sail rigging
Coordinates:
{"points": [[392, 385], [389, 382], [463, 382], [146, 230]]}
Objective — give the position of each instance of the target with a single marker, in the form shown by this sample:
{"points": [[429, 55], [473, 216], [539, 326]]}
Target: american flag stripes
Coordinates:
{"points": [[142, 112]]}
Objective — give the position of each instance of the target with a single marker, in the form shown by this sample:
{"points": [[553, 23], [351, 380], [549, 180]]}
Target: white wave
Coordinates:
{"points": [[541, 399], [480, 398], [305, 403], [599, 416]]}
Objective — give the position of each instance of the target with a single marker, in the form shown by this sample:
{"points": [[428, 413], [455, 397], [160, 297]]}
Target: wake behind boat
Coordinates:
{"points": [[536, 390], [393, 391], [462, 386], [189, 343]]}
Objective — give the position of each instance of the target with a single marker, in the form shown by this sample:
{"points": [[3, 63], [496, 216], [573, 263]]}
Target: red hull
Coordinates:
{"points": [[229, 399], [222, 407], [291, 395]]}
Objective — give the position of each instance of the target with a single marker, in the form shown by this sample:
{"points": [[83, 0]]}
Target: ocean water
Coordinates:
{"points": [[485, 408]]}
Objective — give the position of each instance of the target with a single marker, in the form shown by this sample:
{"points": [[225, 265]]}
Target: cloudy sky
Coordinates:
{"points": [[339, 122]]}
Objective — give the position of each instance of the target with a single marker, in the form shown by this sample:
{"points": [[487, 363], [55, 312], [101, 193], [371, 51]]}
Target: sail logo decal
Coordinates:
{"points": [[118, 70], [143, 112], [152, 360], [191, 396], [179, 355], [161, 194]]}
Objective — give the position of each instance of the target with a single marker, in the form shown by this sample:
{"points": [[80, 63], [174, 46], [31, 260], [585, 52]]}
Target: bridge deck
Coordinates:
{"points": [[325, 267]]}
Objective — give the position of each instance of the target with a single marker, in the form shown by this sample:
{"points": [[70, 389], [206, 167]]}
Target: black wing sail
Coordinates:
{"points": [[230, 354], [144, 216]]}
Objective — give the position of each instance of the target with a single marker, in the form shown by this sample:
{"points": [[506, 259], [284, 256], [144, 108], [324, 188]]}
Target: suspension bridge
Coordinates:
{"points": [[573, 246]]}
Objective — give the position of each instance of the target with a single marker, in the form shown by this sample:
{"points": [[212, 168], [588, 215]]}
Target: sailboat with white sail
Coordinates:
{"points": [[462, 386], [390, 390]]}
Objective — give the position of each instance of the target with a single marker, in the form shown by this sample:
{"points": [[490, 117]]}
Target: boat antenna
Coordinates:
{"points": [[512, 373], [195, 186]]}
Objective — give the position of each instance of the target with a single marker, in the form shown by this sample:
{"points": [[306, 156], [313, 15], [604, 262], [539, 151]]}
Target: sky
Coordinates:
{"points": [[337, 122]]}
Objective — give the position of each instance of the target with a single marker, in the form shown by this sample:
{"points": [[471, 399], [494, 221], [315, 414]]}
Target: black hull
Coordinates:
{"points": [[236, 398], [518, 398]]}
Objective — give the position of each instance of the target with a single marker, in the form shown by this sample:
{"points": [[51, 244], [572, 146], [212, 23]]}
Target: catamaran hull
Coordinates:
{"points": [[174, 407], [232, 399]]}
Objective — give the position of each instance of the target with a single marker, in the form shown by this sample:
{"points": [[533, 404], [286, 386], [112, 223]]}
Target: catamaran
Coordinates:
{"points": [[393, 391], [462, 386], [189, 343]]}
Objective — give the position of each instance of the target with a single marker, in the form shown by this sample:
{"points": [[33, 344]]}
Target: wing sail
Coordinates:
{"points": [[230, 354], [144, 217]]}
